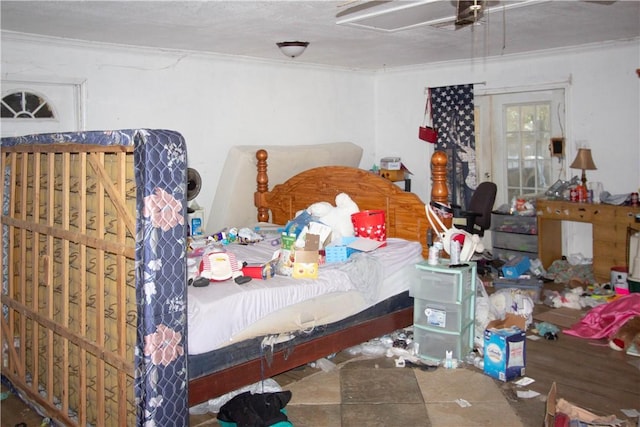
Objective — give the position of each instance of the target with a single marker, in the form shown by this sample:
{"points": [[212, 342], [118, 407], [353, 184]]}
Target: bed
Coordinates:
{"points": [[94, 264]]}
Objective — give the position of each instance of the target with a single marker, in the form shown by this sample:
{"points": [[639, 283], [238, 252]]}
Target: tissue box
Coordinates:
{"points": [[516, 266], [504, 352], [339, 252]]}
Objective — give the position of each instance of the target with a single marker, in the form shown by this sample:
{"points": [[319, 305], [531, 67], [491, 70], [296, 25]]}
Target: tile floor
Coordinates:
{"points": [[373, 392], [366, 391]]}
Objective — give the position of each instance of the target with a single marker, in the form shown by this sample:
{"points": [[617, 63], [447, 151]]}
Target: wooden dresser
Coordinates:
{"points": [[610, 228]]}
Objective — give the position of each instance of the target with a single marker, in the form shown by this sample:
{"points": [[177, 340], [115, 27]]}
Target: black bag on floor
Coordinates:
{"points": [[256, 410]]}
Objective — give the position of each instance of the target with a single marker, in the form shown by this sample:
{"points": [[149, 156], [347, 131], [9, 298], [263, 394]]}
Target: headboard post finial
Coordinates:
{"points": [[439, 190], [262, 180]]}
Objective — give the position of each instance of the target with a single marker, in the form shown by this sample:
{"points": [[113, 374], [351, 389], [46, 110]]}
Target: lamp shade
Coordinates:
{"points": [[583, 160], [292, 49]]}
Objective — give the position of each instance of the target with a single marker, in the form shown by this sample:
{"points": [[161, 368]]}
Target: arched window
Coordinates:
{"points": [[25, 105]]}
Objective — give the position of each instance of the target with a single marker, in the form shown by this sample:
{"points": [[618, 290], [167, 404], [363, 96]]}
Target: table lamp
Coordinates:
{"points": [[583, 161]]}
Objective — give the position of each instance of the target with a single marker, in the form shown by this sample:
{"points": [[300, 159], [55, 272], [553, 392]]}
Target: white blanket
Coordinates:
{"points": [[221, 312]]}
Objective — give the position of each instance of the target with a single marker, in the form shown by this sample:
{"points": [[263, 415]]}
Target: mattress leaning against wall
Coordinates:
{"points": [[93, 286]]}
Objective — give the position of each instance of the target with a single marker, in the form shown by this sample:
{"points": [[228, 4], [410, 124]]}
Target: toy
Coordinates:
{"points": [[218, 265], [547, 330], [627, 336], [337, 217]]}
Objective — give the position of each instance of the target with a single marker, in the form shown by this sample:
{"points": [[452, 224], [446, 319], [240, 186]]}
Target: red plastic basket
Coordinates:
{"points": [[370, 224]]}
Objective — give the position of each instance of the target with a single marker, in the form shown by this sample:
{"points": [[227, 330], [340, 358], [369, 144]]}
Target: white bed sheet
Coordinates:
{"points": [[225, 312]]}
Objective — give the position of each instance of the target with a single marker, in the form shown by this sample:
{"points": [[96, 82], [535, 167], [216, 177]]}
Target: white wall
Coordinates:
{"points": [[603, 106], [603, 110], [217, 102]]}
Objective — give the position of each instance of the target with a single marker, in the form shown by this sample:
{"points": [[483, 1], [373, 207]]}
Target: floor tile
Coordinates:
{"points": [[314, 415], [370, 363], [385, 415], [447, 385], [498, 414], [397, 385], [321, 388]]}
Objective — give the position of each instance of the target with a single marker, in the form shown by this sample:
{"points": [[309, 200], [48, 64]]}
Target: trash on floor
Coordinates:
{"points": [[463, 403], [261, 409], [561, 412], [527, 394], [562, 271], [575, 298], [546, 330], [399, 344], [213, 405], [323, 364]]}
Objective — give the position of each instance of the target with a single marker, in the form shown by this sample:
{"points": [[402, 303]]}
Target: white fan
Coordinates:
{"points": [[634, 257], [471, 242]]}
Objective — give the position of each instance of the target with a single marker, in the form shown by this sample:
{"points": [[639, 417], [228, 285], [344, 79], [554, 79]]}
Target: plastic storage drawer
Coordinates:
{"points": [[444, 284], [433, 345], [514, 223], [517, 242], [532, 287], [444, 316], [506, 254]]}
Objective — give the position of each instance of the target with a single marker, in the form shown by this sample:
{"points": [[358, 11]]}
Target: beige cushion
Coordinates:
{"points": [[233, 202]]}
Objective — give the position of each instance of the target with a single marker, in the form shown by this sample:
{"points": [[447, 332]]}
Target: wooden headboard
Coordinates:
{"points": [[405, 212]]}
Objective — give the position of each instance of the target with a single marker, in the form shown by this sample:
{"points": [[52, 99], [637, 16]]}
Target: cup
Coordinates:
{"points": [[597, 189]]}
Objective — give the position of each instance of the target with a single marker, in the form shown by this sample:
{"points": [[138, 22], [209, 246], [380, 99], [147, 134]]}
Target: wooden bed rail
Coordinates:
{"points": [[262, 179], [405, 215], [439, 190]]}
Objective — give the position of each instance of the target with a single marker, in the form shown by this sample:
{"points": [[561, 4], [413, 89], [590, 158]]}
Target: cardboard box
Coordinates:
{"points": [[516, 266], [505, 348], [305, 265], [557, 410], [394, 175], [390, 163]]}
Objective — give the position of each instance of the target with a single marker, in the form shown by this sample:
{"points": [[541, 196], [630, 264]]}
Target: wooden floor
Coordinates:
{"points": [[588, 374]]}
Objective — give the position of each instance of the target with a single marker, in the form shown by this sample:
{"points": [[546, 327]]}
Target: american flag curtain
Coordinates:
{"points": [[453, 117]]}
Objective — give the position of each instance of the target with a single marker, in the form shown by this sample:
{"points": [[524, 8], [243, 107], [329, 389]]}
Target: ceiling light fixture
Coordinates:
{"points": [[292, 49]]}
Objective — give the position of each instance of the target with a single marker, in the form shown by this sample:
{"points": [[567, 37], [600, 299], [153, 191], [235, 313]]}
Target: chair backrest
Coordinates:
{"points": [[482, 202]]}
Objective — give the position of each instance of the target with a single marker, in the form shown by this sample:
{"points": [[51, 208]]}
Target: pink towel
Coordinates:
{"points": [[604, 320]]}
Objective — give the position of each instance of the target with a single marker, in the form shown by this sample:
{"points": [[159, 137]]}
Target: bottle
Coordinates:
{"points": [[454, 252], [573, 194], [434, 256]]}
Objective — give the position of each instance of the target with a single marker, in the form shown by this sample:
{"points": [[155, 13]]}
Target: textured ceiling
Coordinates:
{"points": [[251, 28]]}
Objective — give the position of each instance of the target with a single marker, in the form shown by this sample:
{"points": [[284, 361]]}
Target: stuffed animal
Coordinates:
{"points": [[337, 217], [218, 265], [627, 336]]}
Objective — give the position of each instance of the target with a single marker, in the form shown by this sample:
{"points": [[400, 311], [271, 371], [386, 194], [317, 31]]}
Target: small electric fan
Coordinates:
{"points": [[634, 258]]}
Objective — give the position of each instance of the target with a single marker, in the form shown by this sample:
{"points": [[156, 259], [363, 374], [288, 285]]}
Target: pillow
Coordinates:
{"points": [[233, 202]]}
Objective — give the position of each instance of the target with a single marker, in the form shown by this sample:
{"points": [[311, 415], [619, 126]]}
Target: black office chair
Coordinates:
{"points": [[477, 217]]}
